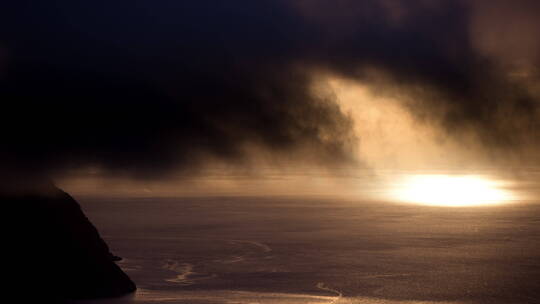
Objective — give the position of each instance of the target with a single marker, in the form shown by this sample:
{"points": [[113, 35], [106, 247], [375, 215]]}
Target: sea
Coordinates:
{"points": [[271, 248]]}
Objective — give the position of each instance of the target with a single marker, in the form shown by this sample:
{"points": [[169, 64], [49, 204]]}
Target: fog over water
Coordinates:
{"points": [[278, 151], [349, 247]]}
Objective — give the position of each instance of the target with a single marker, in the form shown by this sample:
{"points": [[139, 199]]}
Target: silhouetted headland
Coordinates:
{"points": [[56, 253]]}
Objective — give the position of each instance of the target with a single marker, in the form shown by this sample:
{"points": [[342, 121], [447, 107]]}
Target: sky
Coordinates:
{"points": [[150, 88]]}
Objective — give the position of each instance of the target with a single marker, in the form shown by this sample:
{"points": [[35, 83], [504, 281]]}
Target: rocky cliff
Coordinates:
{"points": [[54, 251]]}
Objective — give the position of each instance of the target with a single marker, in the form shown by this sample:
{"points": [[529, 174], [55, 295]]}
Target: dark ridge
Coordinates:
{"points": [[56, 254]]}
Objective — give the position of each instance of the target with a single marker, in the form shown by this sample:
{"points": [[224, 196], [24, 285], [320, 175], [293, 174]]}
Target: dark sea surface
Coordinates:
{"points": [[321, 249]]}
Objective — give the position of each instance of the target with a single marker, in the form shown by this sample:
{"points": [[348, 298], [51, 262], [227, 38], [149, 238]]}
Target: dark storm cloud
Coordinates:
{"points": [[142, 86]]}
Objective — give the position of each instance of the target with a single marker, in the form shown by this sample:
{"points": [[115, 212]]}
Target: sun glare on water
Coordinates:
{"points": [[451, 191]]}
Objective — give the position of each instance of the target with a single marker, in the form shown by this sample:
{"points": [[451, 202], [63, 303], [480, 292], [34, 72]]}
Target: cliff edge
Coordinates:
{"points": [[54, 251]]}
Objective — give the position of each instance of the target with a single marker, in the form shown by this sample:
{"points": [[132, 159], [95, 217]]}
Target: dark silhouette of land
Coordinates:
{"points": [[55, 252]]}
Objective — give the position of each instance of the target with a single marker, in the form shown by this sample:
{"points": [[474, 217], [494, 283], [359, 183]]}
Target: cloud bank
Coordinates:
{"points": [[146, 87]]}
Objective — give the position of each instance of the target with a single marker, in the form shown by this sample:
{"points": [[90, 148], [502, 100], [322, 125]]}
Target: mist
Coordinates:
{"points": [[149, 89]]}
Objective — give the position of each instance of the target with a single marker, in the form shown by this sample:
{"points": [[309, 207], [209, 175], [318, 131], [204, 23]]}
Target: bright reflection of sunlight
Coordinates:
{"points": [[450, 190]]}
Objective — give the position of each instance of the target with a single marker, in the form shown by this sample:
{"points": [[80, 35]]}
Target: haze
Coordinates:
{"points": [[378, 151]]}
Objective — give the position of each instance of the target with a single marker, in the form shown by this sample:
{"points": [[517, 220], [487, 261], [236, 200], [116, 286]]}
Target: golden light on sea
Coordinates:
{"points": [[451, 190]]}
